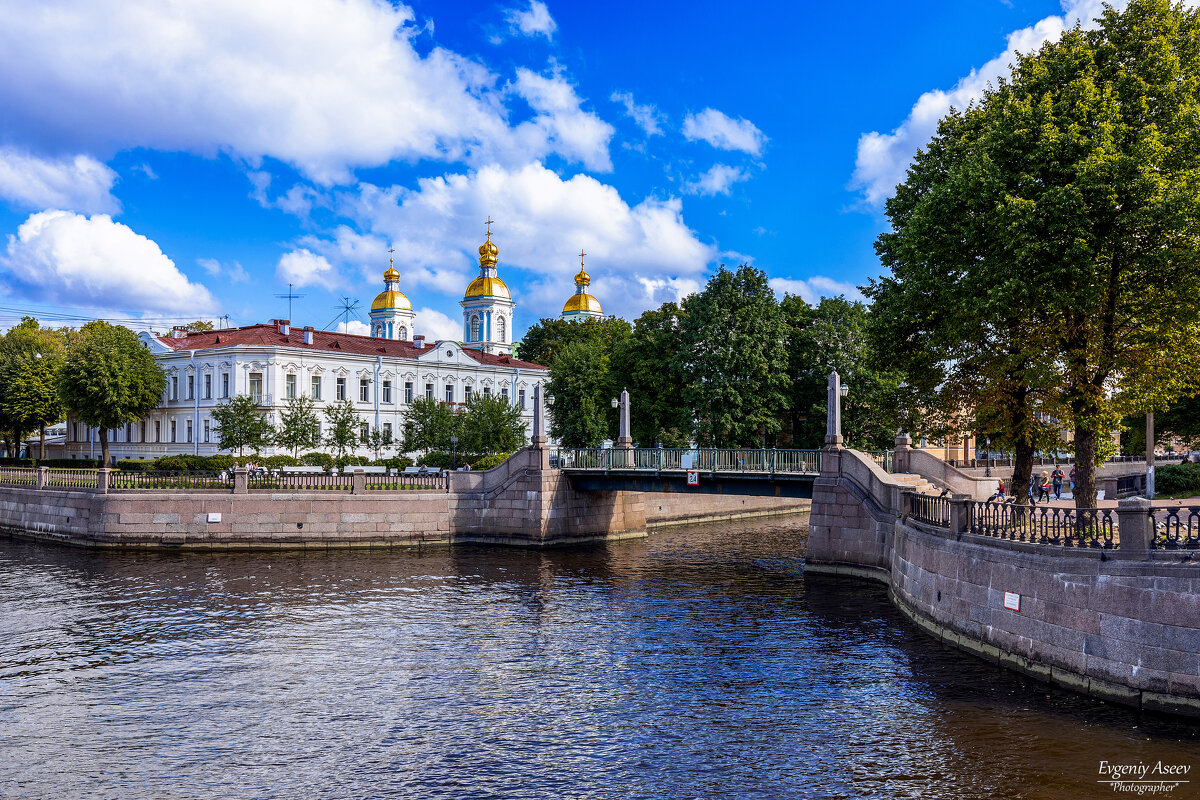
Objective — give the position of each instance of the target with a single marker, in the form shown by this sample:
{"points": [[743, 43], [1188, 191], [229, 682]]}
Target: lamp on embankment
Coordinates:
{"points": [[453, 452]]}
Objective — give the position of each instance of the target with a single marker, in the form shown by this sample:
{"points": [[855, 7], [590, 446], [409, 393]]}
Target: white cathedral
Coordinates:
{"points": [[380, 374]]}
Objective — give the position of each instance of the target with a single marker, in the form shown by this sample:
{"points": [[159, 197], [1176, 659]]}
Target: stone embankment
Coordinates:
{"points": [[1120, 623]]}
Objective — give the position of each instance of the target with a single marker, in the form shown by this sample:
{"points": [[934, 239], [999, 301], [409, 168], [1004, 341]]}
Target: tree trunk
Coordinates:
{"points": [[1085, 467], [42, 443], [103, 432], [1022, 471]]}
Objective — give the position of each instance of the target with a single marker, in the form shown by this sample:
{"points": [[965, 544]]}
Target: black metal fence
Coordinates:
{"points": [[929, 509], [401, 482], [171, 480], [302, 481], [1066, 527], [1176, 528]]}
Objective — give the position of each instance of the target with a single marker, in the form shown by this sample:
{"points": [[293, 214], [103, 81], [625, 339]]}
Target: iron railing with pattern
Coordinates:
{"points": [[1067, 527], [171, 480], [19, 476], [1176, 528], [705, 459], [929, 509], [401, 482], [884, 458], [298, 481], [72, 478]]}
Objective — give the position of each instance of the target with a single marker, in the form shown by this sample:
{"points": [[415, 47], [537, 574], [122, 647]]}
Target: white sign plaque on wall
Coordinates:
{"points": [[1012, 601], [693, 478], [214, 516]]}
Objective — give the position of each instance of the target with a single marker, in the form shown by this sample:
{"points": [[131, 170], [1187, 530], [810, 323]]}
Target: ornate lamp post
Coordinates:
{"points": [[453, 452]]}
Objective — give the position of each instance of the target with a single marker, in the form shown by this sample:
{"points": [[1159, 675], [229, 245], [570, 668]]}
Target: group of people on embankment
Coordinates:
{"points": [[1041, 487]]}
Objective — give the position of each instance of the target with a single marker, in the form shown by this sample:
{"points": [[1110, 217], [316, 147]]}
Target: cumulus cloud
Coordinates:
{"points": [[811, 290], [560, 125], [724, 132], [533, 21], [324, 85], [76, 183], [719, 179], [883, 158], [233, 272], [354, 327], [93, 262], [304, 268], [646, 116]]}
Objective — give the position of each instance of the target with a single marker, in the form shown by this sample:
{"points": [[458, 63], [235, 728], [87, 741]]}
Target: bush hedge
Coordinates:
{"points": [[478, 461], [218, 463], [1177, 479], [57, 463]]}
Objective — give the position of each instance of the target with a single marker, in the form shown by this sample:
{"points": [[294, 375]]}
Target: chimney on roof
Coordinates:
{"points": [[308, 334], [419, 341], [282, 325], [179, 332]]}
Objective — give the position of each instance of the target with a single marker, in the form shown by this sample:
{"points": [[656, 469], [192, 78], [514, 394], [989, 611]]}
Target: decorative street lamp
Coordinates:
{"points": [[453, 452], [988, 469]]}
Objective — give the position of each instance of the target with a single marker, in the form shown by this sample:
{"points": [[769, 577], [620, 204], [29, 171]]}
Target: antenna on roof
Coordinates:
{"points": [[290, 297], [348, 307]]}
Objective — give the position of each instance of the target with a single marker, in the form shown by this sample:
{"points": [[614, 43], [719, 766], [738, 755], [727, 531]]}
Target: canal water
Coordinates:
{"points": [[698, 663]]}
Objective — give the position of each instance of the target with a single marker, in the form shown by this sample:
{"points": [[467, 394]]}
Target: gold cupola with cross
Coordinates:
{"points": [[487, 304], [582, 305], [392, 314]]}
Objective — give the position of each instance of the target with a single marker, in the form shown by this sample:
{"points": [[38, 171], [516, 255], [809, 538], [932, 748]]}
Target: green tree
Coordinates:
{"points": [[543, 341], [733, 360], [579, 381], [428, 425], [109, 379], [239, 423], [299, 425], [30, 360], [341, 427], [646, 368], [379, 439], [491, 424]]}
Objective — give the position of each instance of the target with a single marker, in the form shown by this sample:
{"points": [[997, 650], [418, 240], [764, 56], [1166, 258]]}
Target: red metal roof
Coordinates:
{"points": [[269, 335]]}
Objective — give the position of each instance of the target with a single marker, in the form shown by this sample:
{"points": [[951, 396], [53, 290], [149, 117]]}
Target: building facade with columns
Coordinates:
{"points": [[380, 374]]}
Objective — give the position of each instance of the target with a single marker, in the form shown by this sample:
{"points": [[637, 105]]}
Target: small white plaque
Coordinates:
{"points": [[693, 477], [1012, 601], [214, 516]]}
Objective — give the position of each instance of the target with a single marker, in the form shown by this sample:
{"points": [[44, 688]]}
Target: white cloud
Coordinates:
{"points": [[560, 125], [324, 85], [813, 289], [354, 327], [724, 132], [233, 272], [74, 260], [435, 325], [646, 116], [304, 268], [78, 183], [883, 159], [719, 179], [533, 21]]}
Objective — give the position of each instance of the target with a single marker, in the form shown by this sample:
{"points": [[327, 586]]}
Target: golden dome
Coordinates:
{"points": [[582, 302], [487, 287], [392, 274], [391, 300], [488, 252], [582, 278]]}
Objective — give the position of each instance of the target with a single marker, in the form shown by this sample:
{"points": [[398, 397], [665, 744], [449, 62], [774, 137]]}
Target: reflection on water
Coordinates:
{"points": [[700, 662]]}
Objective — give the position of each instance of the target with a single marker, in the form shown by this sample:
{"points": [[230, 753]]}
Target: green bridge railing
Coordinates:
{"points": [[677, 459]]}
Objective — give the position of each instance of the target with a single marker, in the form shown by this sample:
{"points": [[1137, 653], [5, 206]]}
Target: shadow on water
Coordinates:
{"points": [[700, 662]]}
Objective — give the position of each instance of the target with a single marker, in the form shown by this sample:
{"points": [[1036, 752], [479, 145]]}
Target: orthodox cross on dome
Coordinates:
{"points": [[581, 255], [490, 222], [391, 262]]}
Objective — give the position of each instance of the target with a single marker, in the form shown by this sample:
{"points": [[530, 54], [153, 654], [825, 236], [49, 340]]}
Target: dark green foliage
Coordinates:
{"points": [[579, 382], [341, 427], [239, 423], [429, 425], [299, 426], [57, 463], [545, 340], [732, 360], [1177, 479], [490, 425], [644, 365]]}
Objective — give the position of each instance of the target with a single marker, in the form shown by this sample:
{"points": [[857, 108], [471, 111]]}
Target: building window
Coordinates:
{"points": [[290, 386], [387, 431], [208, 387], [387, 391], [129, 431], [316, 387], [487, 391], [364, 430], [466, 394], [189, 431], [157, 430], [143, 431], [256, 386], [429, 391], [191, 384], [174, 387], [225, 384], [408, 391], [341, 388], [364, 390], [449, 392], [521, 398], [475, 328], [504, 392], [500, 328], [403, 332], [207, 432], [174, 427]]}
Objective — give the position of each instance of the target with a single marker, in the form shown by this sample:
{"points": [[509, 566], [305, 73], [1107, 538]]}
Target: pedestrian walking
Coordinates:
{"points": [[1057, 479], [1044, 487], [1072, 481]]}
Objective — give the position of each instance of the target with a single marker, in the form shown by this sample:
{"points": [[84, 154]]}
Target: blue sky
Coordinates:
{"points": [[161, 163]]}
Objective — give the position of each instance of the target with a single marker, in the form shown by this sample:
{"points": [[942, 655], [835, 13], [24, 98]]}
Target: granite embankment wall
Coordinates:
{"points": [[521, 502], [1119, 624]]}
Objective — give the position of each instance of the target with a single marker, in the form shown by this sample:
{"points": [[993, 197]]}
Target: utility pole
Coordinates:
{"points": [[1150, 455]]}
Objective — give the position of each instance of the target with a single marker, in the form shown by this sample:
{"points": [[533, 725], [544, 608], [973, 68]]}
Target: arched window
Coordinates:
{"points": [[475, 328], [500, 328], [403, 332]]}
